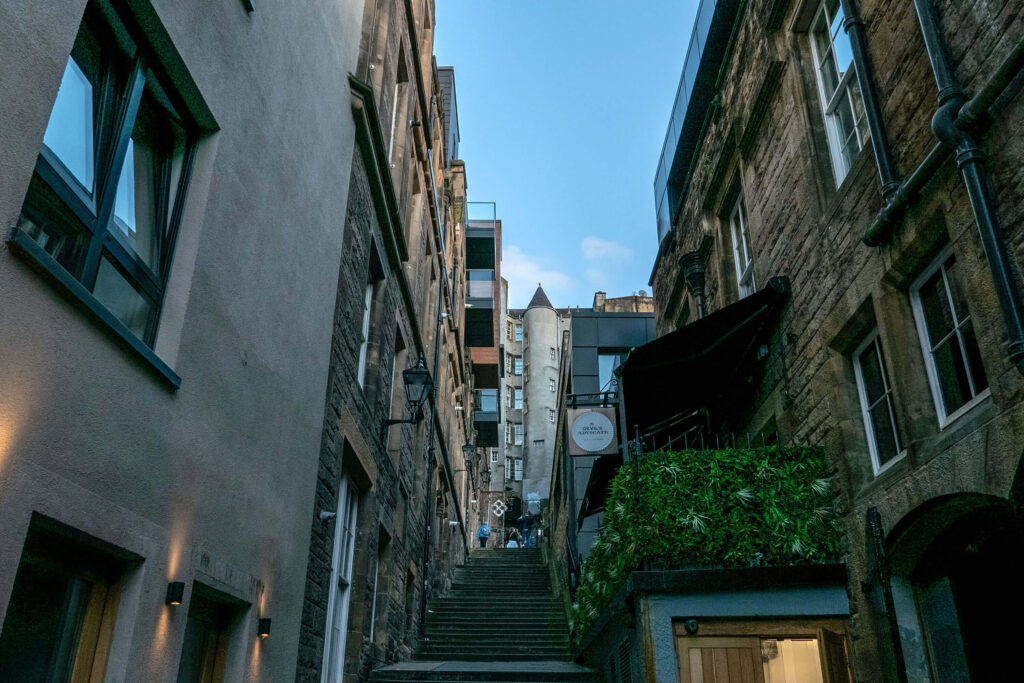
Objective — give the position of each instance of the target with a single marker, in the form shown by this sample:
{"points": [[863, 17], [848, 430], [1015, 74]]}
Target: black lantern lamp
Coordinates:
{"points": [[468, 453], [418, 385], [263, 627]]}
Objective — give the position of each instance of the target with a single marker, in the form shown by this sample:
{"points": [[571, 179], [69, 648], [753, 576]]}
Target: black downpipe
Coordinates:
{"points": [[971, 118], [971, 161], [854, 26]]}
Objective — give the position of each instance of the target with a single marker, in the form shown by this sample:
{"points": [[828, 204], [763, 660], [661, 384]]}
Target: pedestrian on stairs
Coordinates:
{"points": [[484, 533], [513, 538]]}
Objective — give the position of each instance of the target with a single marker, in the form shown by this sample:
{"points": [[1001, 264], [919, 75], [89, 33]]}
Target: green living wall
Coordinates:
{"points": [[708, 509]]}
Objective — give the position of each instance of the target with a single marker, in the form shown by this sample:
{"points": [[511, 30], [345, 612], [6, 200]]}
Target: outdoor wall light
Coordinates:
{"points": [[469, 452], [418, 385], [175, 593], [263, 627]]}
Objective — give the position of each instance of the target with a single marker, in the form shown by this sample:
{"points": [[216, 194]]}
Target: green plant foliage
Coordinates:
{"points": [[709, 509]]}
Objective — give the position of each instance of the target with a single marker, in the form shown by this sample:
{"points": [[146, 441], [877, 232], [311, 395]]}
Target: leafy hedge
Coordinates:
{"points": [[705, 509]]}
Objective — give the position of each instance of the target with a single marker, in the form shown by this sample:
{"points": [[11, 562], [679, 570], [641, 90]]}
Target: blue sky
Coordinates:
{"points": [[563, 107]]}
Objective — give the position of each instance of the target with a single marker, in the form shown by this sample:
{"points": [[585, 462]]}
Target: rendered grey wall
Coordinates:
{"points": [[213, 481]]}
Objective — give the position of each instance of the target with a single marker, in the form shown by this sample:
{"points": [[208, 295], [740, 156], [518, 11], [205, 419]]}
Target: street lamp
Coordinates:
{"points": [[418, 385], [468, 453]]}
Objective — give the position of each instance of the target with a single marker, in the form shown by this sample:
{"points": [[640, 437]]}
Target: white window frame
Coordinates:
{"points": [[517, 365], [517, 434], [508, 364], [551, 415], [552, 385], [742, 252], [339, 599], [945, 419], [830, 102], [367, 304], [874, 340], [518, 399], [494, 456], [519, 469], [508, 432], [553, 353], [519, 332]]}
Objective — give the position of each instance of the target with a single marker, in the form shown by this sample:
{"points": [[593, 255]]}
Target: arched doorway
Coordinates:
{"points": [[955, 581]]}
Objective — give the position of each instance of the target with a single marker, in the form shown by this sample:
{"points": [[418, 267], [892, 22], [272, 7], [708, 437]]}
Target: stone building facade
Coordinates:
{"points": [[398, 491], [802, 146]]}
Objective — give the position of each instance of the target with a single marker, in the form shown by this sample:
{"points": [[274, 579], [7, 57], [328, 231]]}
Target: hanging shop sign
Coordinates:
{"points": [[592, 431]]}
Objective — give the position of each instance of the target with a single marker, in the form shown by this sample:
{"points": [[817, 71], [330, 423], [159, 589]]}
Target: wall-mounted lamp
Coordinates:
{"points": [[418, 385], [326, 516], [468, 453], [175, 593], [263, 627]]}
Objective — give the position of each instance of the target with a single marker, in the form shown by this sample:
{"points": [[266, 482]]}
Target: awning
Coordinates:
{"points": [[692, 368], [696, 366]]}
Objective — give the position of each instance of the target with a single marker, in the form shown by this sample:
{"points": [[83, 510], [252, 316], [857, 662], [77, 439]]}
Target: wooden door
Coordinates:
{"points": [[719, 660]]}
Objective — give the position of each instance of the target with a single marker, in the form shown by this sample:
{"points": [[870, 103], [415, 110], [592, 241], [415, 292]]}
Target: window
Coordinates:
{"points": [[508, 397], [367, 306], [551, 415], [518, 429], [519, 469], [553, 353], [518, 365], [508, 467], [552, 385], [508, 432], [63, 601], [509, 330], [508, 364], [606, 364], [109, 187], [519, 332], [743, 256], [341, 580], [494, 456], [953, 361], [538, 443], [519, 399], [876, 404], [837, 86]]}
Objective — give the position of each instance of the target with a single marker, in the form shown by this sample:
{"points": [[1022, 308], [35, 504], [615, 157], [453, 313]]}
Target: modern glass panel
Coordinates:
{"points": [[54, 227], [117, 293], [487, 400], [69, 133]]}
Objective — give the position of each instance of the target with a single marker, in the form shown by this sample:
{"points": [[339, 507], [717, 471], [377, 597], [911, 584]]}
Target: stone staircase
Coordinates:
{"points": [[500, 622]]}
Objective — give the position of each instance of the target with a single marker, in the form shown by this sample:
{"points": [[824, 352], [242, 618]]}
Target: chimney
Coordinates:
{"points": [[599, 301]]}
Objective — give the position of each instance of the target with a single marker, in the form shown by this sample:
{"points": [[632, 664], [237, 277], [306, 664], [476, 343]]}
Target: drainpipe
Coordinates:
{"points": [[970, 160], [693, 270], [854, 26], [970, 119]]}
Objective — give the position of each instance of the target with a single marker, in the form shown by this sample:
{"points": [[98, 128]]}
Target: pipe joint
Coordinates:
{"points": [[852, 21], [945, 127], [969, 155]]}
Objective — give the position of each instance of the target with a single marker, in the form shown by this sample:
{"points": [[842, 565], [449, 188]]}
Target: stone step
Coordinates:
{"points": [[480, 672]]}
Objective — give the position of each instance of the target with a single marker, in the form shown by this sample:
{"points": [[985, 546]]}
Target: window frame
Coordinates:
{"points": [[517, 365], [830, 103], [117, 102], [517, 399], [519, 332], [746, 282], [874, 339], [552, 385], [518, 434], [945, 418]]}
